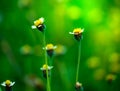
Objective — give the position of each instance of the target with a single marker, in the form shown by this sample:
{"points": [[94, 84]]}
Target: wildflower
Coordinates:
{"points": [[50, 49], [60, 50], [44, 70], [77, 33], [26, 50], [78, 86], [39, 24], [8, 84], [110, 78]]}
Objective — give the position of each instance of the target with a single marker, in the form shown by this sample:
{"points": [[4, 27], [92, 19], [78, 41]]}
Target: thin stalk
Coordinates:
{"points": [[78, 64], [48, 80], [51, 60], [51, 63]]}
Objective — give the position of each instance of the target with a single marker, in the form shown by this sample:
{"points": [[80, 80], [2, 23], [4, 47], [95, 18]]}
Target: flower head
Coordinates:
{"points": [[44, 70], [50, 49], [110, 78], [8, 83], [26, 50], [45, 67], [39, 24], [60, 50], [78, 86], [77, 32]]}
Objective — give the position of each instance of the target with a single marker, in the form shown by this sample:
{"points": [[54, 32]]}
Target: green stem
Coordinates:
{"points": [[51, 63], [79, 51], [48, 80]]}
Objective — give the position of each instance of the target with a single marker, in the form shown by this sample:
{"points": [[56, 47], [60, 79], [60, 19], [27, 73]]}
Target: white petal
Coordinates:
{"points": [[3, 84], [41, 19], [33, 27], [44, 48], [50, 67], [41, 69], [54, 47], [12, 83], [82, 30], [71, 33]]}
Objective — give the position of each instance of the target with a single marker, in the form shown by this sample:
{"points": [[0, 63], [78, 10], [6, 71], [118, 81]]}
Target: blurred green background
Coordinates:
{"points": [[21, 54]]}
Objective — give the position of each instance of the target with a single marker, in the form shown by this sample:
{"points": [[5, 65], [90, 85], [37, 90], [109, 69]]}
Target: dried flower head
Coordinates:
{"points": [[44, 70], [39, 24], [50, 49], [8, 83], [78, 86], [77, 33]]}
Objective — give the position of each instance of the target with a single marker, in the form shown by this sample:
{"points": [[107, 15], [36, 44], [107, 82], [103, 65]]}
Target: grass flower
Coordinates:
{"points": [[78, 86], [39, 24], [8, 84], [50, 49], [77, 32], [46, 68]]}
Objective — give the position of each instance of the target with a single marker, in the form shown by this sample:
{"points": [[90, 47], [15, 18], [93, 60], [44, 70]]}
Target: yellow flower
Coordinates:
{"points": [[26, 49], [8, 83], [39, 24], [110, 78], [50, 49], [78, 86], [77, 32], [39, 21], [60, 50], [45, 67]]}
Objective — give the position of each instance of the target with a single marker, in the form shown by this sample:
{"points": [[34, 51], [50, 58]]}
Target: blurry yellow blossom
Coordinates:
{"points": [[93, 62], [110, 78], [60, 50], [99, 74], [26, 49]]}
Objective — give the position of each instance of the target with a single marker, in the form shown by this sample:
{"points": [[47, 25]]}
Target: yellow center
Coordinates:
{"points": [[37, 22], [49, 46], [45, 66], [8, 82], [77, 31]]}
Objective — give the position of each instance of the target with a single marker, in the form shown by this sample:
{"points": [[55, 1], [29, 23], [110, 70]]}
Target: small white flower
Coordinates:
{"points": [[77, 31], [45, 67], [50, 47], [33, 27], [8, 83], [41, 19]]}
